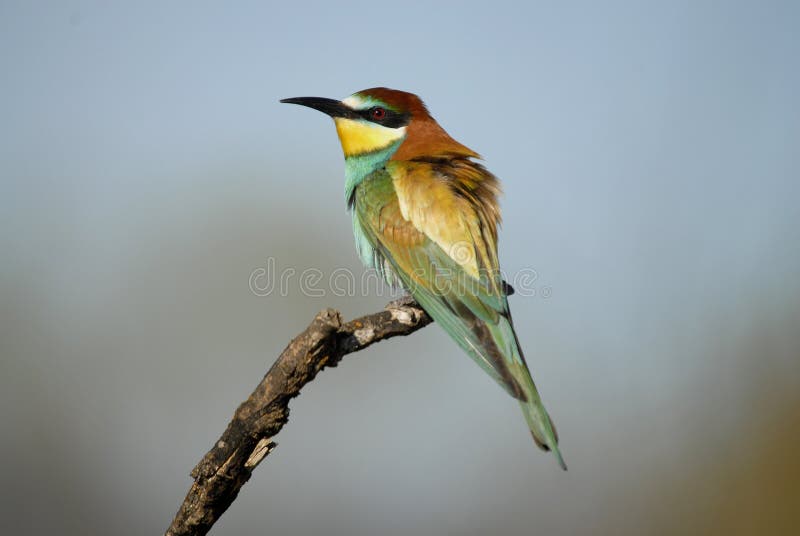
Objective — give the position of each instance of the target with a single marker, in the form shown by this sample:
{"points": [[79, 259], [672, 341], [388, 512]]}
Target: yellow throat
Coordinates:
{"points": [[359, 137]]}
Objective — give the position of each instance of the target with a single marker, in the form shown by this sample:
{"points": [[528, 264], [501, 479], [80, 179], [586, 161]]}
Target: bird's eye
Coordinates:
{"points": [[378, 113]]}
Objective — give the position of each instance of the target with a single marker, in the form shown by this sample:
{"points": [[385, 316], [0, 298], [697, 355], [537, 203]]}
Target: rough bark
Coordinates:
{"points": [[248, 438]]}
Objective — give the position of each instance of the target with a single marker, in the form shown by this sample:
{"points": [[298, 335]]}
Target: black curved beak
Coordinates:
{"points": [[333, 108]]}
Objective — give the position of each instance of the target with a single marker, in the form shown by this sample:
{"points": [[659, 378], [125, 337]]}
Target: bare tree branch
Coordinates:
{"points": [[248, 438]]}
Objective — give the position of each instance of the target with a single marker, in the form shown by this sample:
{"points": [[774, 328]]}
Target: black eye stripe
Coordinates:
{"points": [[392, 119]]}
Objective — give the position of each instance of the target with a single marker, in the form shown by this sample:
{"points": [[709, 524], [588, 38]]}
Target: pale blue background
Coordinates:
{"points": [[649, 153]]}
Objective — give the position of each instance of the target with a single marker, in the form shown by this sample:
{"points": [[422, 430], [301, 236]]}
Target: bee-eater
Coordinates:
{"points": [[425, 215]]}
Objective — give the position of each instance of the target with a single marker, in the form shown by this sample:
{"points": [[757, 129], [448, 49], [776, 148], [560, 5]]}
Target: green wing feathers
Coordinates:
{"points": [[435, 224]]}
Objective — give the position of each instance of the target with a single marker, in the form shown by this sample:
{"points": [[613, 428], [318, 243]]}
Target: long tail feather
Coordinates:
{"points": [[541, 426]]}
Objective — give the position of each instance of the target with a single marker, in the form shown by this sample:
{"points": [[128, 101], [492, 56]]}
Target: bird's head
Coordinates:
{"points": [[382, 119]]}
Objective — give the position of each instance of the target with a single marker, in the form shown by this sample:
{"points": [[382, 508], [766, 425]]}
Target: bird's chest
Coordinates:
{"points": [[380, 212], [373, 195]]}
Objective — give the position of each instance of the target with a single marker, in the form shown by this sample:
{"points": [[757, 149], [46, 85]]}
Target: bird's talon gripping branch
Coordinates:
{"points": [[406, 300]]}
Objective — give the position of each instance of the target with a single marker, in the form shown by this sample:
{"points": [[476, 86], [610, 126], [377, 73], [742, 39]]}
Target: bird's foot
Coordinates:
{"points": [[407, 300]]}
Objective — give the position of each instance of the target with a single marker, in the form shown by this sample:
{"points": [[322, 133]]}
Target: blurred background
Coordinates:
{"points": [[651, 166]]}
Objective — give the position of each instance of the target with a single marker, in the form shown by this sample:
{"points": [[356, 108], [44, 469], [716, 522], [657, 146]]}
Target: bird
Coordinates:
{"points": [[425, 215]]}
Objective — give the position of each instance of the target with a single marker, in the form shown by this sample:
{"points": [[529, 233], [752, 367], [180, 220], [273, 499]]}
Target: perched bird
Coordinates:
{"points": [[425, 215]]}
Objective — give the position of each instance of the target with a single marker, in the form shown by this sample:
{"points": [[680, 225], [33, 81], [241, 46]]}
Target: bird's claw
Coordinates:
{"points": [[407, 300]]}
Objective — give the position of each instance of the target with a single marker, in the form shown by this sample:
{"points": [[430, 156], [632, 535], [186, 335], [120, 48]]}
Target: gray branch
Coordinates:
{"points": [[248, 438]]}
